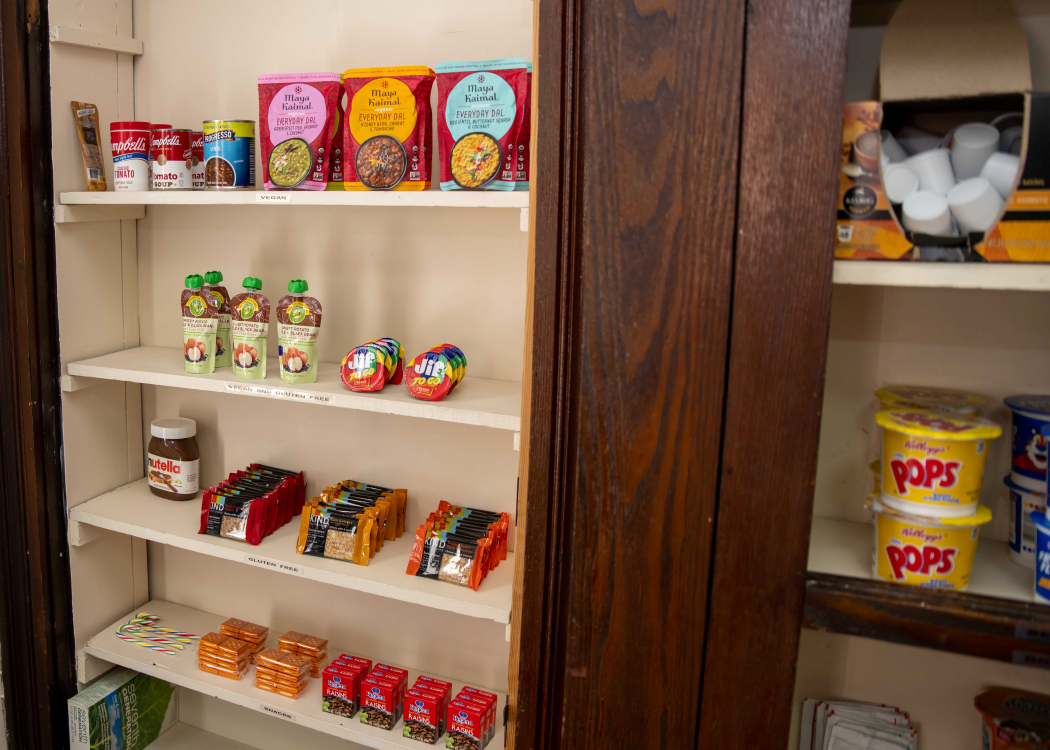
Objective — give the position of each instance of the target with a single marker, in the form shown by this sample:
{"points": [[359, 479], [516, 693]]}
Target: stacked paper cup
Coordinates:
{"points": [[927, 512], [1026, 482], [950, 186]]}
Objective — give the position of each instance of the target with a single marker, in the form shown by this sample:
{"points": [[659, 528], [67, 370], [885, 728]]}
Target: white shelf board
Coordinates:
{"points": [[844, 548], [83, 38], [1010, 276], [432, 197], [188, 737], [135, 511], [476, 401], [305, 710]]}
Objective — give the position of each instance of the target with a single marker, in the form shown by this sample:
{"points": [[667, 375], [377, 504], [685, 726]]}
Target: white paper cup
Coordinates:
{"points": [[900, 182], [892, 149], [915, 140], [972, 144], [975, 204], [927, 212], [1001, 170], [934, 168]]}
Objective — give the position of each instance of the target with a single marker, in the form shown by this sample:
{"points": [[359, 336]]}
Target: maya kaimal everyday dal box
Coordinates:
{"points": [[123, 709]]}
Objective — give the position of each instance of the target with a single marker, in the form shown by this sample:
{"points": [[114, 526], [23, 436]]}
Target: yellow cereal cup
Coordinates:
{"points": [[944, 400], [929, 552], [933, 464]]}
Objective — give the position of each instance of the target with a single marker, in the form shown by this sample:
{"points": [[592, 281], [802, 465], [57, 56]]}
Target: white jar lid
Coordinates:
{"points": [[174, 428]]}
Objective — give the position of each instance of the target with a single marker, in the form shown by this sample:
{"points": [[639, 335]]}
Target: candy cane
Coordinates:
{"points": [[141, 631]]}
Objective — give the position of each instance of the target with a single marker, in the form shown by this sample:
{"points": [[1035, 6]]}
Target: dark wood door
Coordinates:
{"points": [[683, 246]]}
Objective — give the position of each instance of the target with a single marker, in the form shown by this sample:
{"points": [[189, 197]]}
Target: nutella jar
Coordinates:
{"points": [[174, 459]]}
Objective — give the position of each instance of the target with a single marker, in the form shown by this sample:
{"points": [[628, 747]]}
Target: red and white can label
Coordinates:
{"points": [[172, 475], [130, 145], [197, 166], [172, 159]]}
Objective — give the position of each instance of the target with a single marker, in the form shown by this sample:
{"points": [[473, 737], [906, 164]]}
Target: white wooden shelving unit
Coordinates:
{"points": [[1004, 276], [134, 511], [476, 401], [181, 669], [424, 267]]}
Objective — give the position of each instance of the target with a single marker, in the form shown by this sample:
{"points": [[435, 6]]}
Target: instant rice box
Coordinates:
{"points": [[123, 709], [481, 107]]}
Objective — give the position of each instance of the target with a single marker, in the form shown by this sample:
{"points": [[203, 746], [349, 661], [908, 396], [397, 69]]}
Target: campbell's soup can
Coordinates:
{"points": [[197, 165], [229, 154], [172, 159], [156, 126], [130, 144]]}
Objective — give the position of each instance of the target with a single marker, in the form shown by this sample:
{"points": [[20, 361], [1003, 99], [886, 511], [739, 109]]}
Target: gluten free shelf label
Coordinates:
{"points": [[270, 391], [265, 562]]}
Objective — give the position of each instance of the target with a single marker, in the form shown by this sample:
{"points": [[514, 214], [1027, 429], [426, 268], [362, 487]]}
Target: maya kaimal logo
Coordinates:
{"points": [[926, 560], [929, 473]]}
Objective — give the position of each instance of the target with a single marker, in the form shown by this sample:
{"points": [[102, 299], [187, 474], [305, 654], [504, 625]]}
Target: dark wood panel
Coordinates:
{"points": [[652, 224], [36, 630], [794, 84], [949, 621]]}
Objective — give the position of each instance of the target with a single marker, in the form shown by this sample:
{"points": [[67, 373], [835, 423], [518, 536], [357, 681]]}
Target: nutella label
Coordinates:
{"points": [[172, 475]]}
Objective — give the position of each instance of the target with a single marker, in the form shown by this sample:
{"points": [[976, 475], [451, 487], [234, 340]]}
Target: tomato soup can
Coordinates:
{"points": [[229, 154], [197, 160], [172, 159], [129, 142]]}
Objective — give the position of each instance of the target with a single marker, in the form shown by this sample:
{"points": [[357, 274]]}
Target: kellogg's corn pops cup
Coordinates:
{"points": [[945, 400], [933, 464], [921, 551]]}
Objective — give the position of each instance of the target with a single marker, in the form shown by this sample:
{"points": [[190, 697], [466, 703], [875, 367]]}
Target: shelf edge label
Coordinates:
{"points": [[266, 197], [271, 392], [277, 712], [1028, 659], [1033, 635], [265, 562]]}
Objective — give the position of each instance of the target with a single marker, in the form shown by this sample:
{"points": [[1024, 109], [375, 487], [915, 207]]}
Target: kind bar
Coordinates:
{"points": [[122, 709], [86, 116], [465, 726], [338, 531], [424, 716], [379, 703], [297, 120]]}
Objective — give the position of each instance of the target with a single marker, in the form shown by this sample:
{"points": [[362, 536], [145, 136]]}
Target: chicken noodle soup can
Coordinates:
{"points": [[933, 464], [1023, 503], [1042, 557], [130, 145], [172, 159], [922, 551], [197, 160], [229, 154], [1028, 445]]}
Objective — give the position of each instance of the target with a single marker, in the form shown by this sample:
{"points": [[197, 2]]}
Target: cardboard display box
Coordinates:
{"points": [[935, 76]]}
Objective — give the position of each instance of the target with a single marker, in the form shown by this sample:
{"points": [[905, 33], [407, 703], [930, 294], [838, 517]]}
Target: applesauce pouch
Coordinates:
{"points": [[249, 324], [223, 347], [298, 326], [200, 321]]}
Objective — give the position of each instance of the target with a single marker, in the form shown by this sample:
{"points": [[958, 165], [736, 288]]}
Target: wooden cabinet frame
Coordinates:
{"points": [[676, 331]]}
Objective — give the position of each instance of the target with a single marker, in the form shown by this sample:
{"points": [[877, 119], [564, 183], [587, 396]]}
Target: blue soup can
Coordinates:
{"points": [[1042, 558], [1029, 452], [229, 154]]}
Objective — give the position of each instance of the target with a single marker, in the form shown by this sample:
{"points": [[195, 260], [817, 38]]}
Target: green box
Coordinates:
{"points": [[123, 710]]}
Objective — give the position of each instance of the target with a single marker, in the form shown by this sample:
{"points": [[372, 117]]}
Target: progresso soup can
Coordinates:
{"points": [[229, 154]]}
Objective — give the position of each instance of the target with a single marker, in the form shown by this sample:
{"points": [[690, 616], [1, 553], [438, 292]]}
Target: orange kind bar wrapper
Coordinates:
{"points": [[90, 144]]}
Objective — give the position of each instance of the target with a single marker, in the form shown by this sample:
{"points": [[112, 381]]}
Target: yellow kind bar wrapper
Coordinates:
{"points": [[86, 116]]}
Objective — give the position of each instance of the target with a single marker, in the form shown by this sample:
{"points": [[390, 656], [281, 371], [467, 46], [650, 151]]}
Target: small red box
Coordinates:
{"points": [[467, 721], [379, 703], [424, 715]]}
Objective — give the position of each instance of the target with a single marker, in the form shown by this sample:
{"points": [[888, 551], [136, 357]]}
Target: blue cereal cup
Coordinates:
{"points": [[1042, 557], [1030, 448]]}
